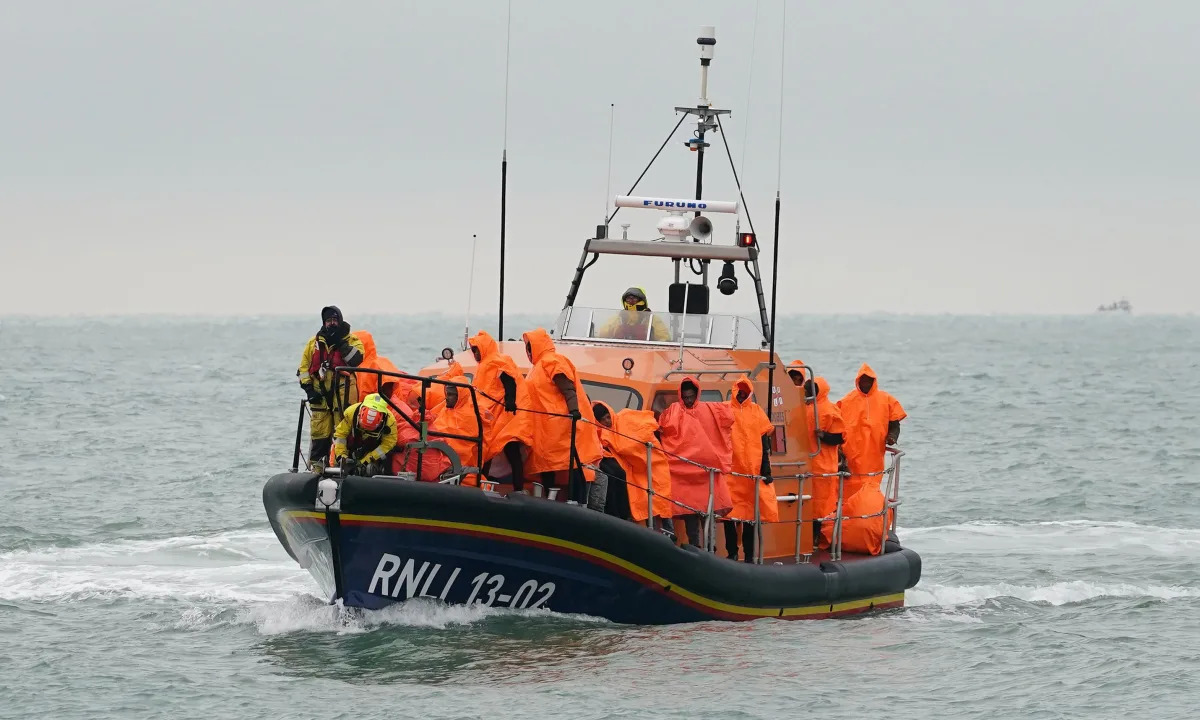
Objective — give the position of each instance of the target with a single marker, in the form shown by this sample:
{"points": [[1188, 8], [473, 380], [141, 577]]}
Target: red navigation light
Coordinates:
{"points": [[745, 240]]}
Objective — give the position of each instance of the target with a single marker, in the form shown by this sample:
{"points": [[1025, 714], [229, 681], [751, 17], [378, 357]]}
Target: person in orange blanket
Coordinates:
{"points": [[828, 436], [457, 418], [701, 432], [752, 431], [435, 397], [872, 422], [616, 498], [624, 436], [554, 388], [456, 415], [501, 390], [406, 433], [796, 371], [368, 382]]}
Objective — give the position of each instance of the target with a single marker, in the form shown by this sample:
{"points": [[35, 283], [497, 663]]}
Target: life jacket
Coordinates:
{"points": [[321, 354], [635, 330]]}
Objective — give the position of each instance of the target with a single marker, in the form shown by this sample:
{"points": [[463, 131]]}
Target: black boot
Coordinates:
{"points": [[749, 540], [731, 539], [512, 453], [691, 525], [318, 452]]}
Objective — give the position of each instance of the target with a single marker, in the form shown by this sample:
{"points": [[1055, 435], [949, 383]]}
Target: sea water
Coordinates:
{"points": [[1050, 485]]}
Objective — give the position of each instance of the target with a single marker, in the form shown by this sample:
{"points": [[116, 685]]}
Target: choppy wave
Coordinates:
{"points": [[239, 566], [308, 614], [232, 578], [1059, 593], [1051, 537]]}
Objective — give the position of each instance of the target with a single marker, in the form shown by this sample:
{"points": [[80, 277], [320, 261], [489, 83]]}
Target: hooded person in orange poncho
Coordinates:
{"points": [[616, 500], [554, 388], [501, 390], [624, 436], [824, 465], [796, 370], [457, 417], [404, 415], [435, 396], [872, 422], [862, 533], [369, 382], [699, 431], [751, 436]]}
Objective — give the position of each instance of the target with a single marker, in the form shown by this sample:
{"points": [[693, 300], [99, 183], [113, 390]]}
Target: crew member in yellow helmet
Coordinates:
{"points": [[365, 437], [634, 321]]}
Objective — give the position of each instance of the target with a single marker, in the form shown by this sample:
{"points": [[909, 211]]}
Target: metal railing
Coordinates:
{"points": [[421, 423], [887, 515]]}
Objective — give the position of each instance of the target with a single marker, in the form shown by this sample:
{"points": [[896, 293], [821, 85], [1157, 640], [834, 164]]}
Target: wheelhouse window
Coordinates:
{"points": [[617, 397]]}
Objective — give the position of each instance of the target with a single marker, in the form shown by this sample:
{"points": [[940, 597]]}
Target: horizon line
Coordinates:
{"points": [[454, 316]]}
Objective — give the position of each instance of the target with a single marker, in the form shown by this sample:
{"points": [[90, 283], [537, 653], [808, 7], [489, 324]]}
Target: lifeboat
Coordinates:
{"points": [[468, 538]]}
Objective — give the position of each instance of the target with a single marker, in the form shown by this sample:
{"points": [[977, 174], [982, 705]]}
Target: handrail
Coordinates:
{"points": [[422, 425], [299, 435], [751, 373], [891, 490]]}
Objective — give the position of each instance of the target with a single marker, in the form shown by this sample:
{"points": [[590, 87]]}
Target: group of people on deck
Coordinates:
{"points": [[529, 424]]}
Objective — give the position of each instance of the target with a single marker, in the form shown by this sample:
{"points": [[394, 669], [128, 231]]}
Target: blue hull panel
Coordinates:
{"points": [[385, 565]]}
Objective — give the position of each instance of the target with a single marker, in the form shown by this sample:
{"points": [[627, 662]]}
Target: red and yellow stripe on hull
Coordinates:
{"points": [[707, 606]]}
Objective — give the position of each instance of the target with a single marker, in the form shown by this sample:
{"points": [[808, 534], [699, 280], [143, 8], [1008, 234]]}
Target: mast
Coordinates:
{"points": [[775, 242], [707, 42], [504, 175]]}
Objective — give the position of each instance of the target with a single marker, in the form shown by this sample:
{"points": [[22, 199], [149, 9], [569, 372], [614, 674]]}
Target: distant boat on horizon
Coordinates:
{"points": [[1121, 305]]}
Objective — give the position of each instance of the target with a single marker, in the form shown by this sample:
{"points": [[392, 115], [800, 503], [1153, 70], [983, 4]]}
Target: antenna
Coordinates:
{"points": [[612, 114], [746, 117], [470, 288], [707, 42], [778, 183], [504, 171]]}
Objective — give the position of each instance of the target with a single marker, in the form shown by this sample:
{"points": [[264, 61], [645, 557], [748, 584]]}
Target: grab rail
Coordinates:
{"points": [[891, 471], [421, 425]]}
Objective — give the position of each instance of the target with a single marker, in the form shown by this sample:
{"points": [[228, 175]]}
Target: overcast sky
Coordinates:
{"points": [[1035, 156]]}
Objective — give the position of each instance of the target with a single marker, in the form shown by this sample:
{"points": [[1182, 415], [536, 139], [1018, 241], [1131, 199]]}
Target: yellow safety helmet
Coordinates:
{"points": [[375, 402]]}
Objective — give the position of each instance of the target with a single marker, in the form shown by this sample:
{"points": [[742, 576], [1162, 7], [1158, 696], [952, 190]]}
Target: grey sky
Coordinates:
{"points": [[267, 157]]}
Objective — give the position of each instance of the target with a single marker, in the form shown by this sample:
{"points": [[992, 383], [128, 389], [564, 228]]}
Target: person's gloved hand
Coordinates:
{"points": [[510, 392], [892, 438], [575, 414], [767, 479], [314, 397]]}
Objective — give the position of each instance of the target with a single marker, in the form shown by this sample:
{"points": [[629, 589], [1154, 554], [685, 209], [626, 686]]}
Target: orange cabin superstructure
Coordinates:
{"points": [[653, 383]]}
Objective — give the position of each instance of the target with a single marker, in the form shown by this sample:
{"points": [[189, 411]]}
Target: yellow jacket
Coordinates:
{"points": [[316, 354], [348, 437], [631, 325]]}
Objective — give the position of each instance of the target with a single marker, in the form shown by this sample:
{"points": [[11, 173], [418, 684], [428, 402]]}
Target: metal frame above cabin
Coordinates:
{"points": [[673, 249]]}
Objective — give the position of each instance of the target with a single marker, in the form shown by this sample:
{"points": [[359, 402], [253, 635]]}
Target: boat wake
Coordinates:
{"points": [[239, 567], [231, 578], [309, 614], [244, 578]]}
